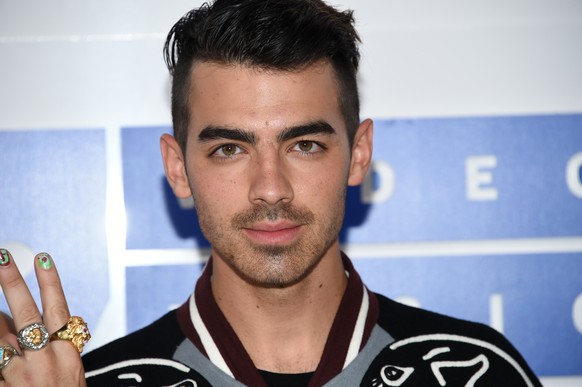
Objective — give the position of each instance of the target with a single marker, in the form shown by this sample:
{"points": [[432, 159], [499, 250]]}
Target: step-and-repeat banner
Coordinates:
{"points": [[479, 218]]}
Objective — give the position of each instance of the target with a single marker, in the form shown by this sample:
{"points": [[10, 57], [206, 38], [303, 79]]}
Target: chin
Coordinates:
{"points": [[276, 270], [276, 281]]}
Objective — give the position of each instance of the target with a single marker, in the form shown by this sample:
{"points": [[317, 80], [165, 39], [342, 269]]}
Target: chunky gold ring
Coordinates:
{"points": [[33, 336], [75, 331]]}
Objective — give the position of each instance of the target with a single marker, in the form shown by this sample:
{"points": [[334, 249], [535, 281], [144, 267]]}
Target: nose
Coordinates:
{"points": [[269, 181]]}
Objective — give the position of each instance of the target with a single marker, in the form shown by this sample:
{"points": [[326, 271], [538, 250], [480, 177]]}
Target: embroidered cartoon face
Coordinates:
{"points": [[444, 360]]}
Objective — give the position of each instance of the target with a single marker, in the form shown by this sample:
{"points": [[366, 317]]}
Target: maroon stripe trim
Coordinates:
{"points": [[342, 329], [185, 322], [226, 340]]}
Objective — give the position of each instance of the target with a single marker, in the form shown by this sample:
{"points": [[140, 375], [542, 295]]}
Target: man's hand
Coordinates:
{"points": [[56, 364]]}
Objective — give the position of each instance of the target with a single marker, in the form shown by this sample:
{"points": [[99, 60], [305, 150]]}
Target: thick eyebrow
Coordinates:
{"points": [[213, 133], [318, 127]]}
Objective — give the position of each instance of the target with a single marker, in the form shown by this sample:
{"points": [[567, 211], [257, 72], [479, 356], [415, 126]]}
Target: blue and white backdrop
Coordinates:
{"points": [[473, 207]]}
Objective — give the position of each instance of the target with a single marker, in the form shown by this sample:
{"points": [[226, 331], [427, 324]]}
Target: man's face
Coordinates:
{"points": [[267, 162]]}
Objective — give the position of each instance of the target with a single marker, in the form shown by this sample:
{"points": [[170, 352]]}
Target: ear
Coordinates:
{"points": [[361, 152], [175, 167]]}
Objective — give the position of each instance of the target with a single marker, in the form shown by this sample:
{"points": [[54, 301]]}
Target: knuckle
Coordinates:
{"points": [[27, 314], [53, 287], [12, 282], [59, 312]]}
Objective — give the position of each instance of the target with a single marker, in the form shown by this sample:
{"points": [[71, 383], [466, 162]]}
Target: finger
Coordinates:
{"points": [[8, 356], [20, 301], [54, 305]]}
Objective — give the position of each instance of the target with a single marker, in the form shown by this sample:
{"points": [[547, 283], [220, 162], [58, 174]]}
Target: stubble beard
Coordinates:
{"points": [[273, 266]]}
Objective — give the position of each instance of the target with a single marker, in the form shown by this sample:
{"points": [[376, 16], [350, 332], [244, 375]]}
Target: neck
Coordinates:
{"points": [[283, 330]]}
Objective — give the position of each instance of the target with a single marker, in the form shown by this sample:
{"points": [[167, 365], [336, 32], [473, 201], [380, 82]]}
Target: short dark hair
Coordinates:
{"points": [[287, 35]]}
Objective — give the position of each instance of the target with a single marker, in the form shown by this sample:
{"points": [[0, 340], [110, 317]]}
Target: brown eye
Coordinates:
{"points": [[305, 146], [308, 148], [228, 150]]}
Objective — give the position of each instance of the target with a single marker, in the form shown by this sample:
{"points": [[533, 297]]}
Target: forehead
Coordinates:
{"points": [[253, 98]]}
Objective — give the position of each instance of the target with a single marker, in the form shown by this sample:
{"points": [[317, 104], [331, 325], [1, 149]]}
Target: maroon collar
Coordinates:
{"points": [[204, 324]]}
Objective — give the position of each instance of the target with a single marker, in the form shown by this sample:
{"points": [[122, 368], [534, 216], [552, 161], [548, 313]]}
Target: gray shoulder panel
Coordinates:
{"points": [[188, 354], [353, 374]]}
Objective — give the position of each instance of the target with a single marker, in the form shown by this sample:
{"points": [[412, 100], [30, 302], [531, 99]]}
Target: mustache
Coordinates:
{"points": [[261, 212]]}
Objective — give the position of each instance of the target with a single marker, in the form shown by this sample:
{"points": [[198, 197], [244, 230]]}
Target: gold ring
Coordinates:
{"points": [[75, 331]]}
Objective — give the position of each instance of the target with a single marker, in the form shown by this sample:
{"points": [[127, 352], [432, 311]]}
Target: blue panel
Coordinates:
{"points": [[154, 218], [429, 201], [52, 198], [153, 290], [538, 296]]}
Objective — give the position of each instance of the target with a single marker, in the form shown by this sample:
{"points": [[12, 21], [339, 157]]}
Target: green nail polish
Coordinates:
{"points": [[4, 257], [44, 260]]}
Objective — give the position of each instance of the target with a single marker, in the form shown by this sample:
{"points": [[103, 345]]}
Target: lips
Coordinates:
{"points": [[283, 232]]}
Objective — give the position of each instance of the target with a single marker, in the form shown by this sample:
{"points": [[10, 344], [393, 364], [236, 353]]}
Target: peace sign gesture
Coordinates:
{"points": [[40, 354]]}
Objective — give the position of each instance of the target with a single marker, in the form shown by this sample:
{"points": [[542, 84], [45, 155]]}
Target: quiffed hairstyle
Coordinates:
{"points": [[285, 35]]}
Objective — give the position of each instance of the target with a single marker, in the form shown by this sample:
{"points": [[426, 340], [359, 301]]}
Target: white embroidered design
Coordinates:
{"points": [[133, 375], [437, 365], [394, 375], [138, 362], [435, 352], [474, 368], [134, 370]]}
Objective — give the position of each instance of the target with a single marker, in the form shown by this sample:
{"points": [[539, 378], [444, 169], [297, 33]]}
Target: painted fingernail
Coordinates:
{"points": [[44, 261], [4, 257]]}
